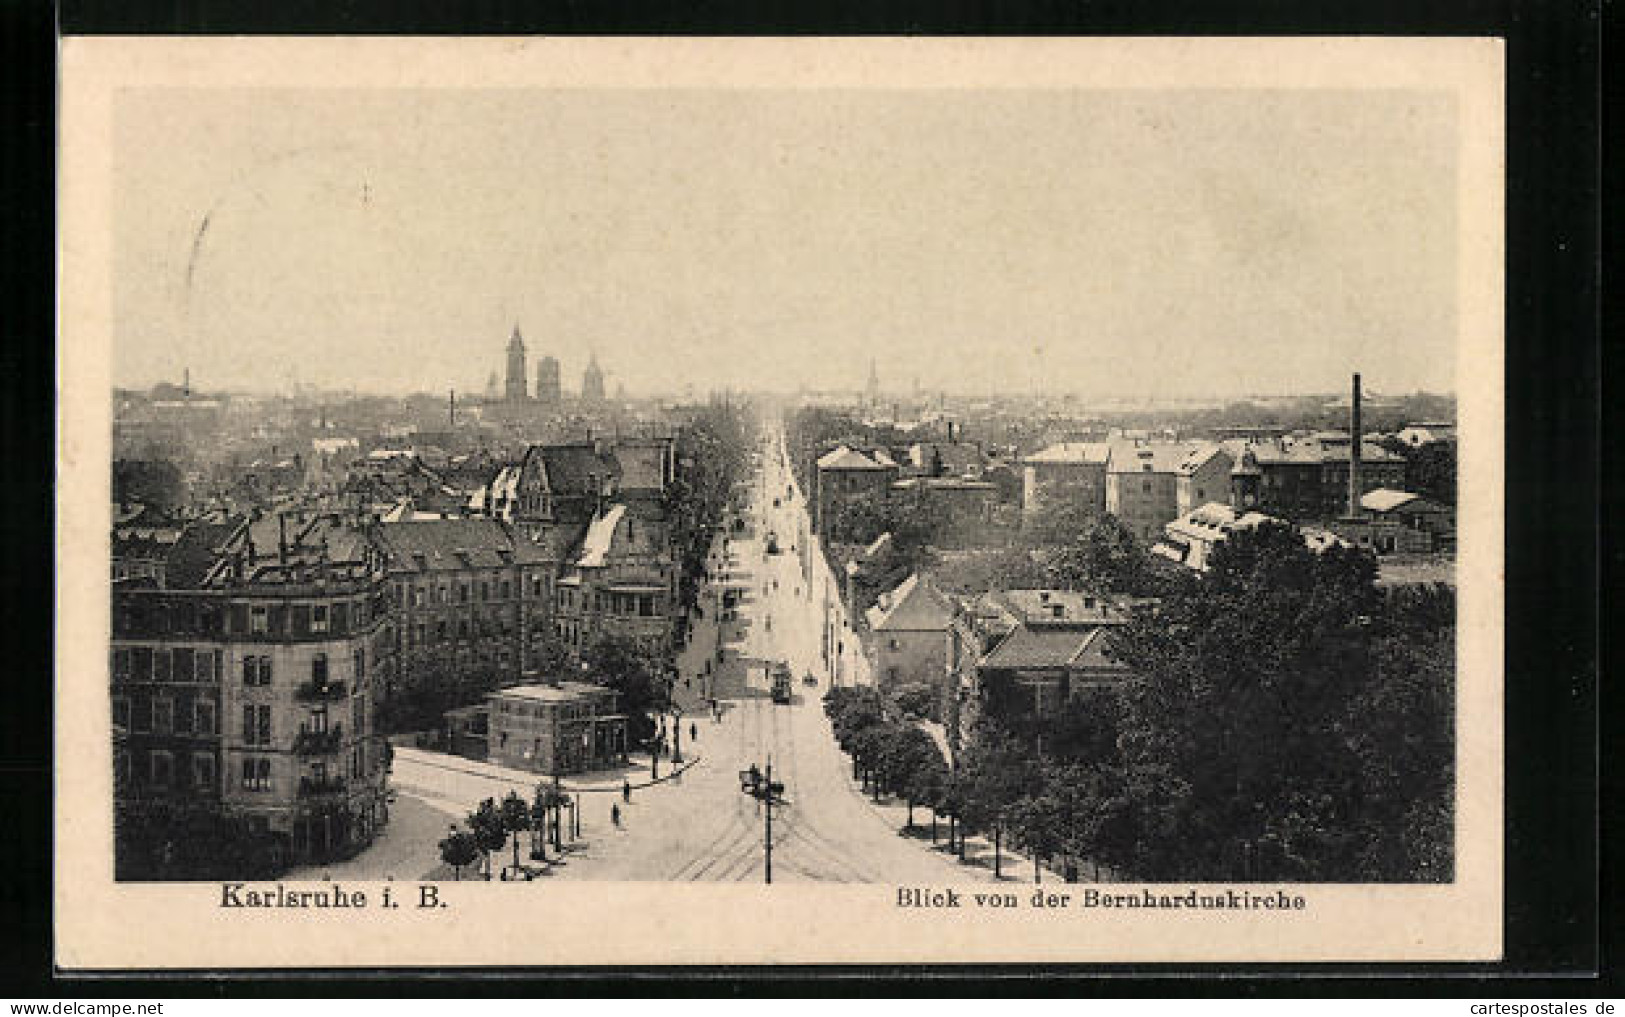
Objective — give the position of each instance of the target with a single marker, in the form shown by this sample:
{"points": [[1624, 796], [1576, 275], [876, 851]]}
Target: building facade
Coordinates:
{"points": [[556, 728], [250, 683], [1064, 472], [845, 474], [906, 633], [470, 594]]}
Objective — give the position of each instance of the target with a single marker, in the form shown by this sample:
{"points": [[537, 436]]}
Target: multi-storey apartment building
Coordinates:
{"points": [[249, 682], [1072, 471], [470, 594]]}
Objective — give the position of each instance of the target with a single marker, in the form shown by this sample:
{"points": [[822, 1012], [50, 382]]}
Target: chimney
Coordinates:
{"points": [[451, 409], [1354, 448]]}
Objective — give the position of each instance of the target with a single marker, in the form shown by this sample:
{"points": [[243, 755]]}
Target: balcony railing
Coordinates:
{"points": [[316, 743], [313, 692], [310, 787]]}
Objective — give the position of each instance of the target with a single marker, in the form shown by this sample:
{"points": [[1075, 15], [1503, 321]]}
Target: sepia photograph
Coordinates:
{"points": [[964, 486]]}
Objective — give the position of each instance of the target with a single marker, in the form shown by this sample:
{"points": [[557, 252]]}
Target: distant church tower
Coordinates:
{"points": [[492, 389], [592, 382], [515, 391], [547, 381]]}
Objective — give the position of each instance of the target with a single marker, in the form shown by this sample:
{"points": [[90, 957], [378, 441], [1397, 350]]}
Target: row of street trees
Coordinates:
{"points": [[493, 825], [713, 454], [1285, 719]]}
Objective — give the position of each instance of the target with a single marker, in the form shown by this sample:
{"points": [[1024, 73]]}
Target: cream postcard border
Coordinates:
{"points": [[102, 925]]}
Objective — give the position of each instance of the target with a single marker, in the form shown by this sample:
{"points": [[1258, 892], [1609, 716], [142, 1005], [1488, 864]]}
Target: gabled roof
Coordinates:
{"points": [[600, 537], [847, 458], [914, 606], [1050, 647], [454, 544], [1067, 607], [570, 469], [200, 545], [1160, 456]]}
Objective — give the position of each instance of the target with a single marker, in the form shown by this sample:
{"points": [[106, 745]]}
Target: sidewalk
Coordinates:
{"points": [[636, 771]]}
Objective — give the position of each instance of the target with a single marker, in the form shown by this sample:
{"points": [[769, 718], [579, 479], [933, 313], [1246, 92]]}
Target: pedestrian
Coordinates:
{"points": [[626, 791], [615, 814]]}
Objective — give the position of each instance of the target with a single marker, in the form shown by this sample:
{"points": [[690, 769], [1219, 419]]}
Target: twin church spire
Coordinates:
{"points": [[548, 389]]}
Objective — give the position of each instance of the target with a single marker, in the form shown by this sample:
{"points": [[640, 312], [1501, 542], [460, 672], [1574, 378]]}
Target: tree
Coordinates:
{"points": [[1103, 557], [927, 785], [1234, 730], [515, 817], [995, 772], [458, 850], [918, 699], [485, 823], [1036, 822], [636, 674]]}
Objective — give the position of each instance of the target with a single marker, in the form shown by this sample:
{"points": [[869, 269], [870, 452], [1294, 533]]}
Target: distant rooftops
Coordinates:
{"points": [[1072, 452]]}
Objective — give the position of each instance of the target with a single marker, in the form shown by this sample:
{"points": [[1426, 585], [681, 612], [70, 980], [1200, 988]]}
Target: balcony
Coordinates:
{"points": [[312, 787], [321, 692], [318, 743]]}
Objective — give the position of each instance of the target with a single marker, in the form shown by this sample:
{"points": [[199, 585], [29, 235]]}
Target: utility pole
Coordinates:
{"points": [[767, 839]]}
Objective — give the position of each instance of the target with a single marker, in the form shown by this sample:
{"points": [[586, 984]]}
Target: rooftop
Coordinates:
{"points": [[563, 692]]}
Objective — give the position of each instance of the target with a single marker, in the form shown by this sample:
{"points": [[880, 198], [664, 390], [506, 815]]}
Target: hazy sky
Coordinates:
{"points": [[1108, 243]]}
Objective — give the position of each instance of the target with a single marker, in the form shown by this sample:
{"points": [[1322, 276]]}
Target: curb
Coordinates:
{"points": [[542, 777]]}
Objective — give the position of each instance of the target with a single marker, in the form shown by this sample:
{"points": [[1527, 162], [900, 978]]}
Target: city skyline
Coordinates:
{"points": [[1098, 243]]}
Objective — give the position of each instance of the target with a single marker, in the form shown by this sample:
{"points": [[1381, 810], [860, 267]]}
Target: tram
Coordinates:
{"points": [[781, 683]]}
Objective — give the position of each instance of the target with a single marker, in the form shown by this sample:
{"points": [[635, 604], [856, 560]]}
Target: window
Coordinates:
{"points": [[318, 720], [258, 624], [206, 666], [121, 769], [162, 769], [203, 717], [202, 771], [160, 664], [181, 664], [318, 618], [536, 586], [318, 669], [141, 663], [256, 670], [360, 663], [163, 715], [440, 629], [485, 590], [417, 596], [121, 664], [121, 712], [256, 725], [256, 774], [505, 589]]}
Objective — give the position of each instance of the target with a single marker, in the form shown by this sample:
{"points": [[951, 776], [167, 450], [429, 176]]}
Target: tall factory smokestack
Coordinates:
{"points": [[1354, 448], [451, 408]]}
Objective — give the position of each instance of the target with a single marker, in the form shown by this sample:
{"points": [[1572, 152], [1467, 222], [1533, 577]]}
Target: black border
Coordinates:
{"points": [[1553, 414]]}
